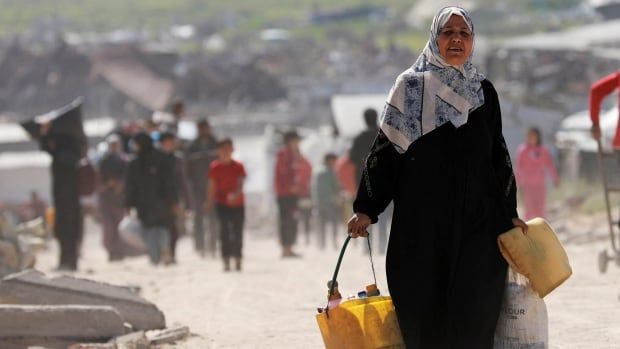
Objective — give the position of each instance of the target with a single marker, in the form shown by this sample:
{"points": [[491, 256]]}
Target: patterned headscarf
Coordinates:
{"points": [[432, 92]]}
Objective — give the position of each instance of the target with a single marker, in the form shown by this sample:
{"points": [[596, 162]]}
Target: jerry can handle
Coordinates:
{"points": [[342, 251]]}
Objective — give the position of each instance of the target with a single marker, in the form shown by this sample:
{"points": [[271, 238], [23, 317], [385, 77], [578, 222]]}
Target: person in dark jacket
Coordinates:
{"points": [[151, 190], [441, 157], [66, 152], [359, 150], [199, 156], [168, 145], [112, 171], [362, 142]]}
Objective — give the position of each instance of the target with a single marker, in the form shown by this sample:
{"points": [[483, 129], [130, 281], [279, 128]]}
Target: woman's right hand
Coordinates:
{"points": [[358, 225]]}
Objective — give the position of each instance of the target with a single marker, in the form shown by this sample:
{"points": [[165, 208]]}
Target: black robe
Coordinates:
{"points": [[454, 192]]}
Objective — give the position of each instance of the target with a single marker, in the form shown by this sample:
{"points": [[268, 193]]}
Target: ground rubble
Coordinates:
{"points": [[37, 311]]}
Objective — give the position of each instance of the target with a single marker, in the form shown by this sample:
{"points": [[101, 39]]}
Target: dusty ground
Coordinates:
{"points": [[272, 303]]}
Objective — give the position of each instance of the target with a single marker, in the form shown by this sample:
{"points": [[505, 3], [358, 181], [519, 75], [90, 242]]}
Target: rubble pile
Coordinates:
{"points": [[66, 311], [19, 243]]}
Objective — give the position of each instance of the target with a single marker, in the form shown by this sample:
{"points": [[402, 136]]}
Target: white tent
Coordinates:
{"points": [[574, 132]]}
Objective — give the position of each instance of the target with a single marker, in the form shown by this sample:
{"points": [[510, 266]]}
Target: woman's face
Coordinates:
{"points": [[455, 41]]}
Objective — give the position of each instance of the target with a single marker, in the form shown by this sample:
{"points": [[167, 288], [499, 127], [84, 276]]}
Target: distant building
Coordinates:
{"points": [[608, 9], [349, 13]]}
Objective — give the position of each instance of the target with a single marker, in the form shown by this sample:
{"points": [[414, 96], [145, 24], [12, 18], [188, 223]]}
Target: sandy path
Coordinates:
{"points": [[272, 303]]}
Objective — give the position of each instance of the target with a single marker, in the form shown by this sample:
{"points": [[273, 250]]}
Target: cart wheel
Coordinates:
{"points": [[602, 261]]}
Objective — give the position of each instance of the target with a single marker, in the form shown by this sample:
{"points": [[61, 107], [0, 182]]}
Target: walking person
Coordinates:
{"points": [[168, 145], [327, 194], [533, 163], [306, 207], [226, 177], [289, 163], [441, 157], [112, 171], [199, 155], [345, 172], [357, 155], [151, 190], [362, 143], [66, 143]]}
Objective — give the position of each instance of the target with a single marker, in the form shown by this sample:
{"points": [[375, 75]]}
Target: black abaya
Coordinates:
{"points": [[454, 193]]}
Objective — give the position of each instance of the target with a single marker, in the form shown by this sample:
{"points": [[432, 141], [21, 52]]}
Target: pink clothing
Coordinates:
{"points": [[533, 162], [535, 200]]}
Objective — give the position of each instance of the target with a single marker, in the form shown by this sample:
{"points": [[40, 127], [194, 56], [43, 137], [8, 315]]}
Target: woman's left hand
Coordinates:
{"points": [[519, 223]]}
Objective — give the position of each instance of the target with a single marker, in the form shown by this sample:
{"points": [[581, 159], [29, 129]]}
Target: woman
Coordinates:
{"points": [[441, 157], [533, 160]]}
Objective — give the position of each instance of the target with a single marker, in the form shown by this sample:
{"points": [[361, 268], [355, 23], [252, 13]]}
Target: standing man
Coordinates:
{"points": [[177, 109], [288, 182], [199, 156], [150, 188], [359, 151], [62, 136], [306, 206], [168, 145], [326, 193], [112, 171], [362, 142]]}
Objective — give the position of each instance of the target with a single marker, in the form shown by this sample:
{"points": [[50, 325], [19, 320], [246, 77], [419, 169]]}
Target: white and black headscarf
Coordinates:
{"points": [[432, 92]]}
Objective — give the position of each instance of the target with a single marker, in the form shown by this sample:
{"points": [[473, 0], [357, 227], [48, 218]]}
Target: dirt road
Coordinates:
{"points": [[272, 303]]}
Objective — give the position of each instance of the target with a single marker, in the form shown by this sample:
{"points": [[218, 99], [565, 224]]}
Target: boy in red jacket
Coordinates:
{"points": [[289, 184], [226, 194]]}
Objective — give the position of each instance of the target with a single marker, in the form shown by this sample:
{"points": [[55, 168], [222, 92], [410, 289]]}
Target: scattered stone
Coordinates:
{"points": [[9, 255], [93, 346], [168, 336], [33, 287], [79, 322], [135, 340]]}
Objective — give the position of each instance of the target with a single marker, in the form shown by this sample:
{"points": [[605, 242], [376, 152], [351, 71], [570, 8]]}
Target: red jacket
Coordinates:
{"points": [[292, 174], [598, 92], [345, 170]]}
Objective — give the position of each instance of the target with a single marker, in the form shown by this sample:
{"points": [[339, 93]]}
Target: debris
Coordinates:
{"points": [[93, 346], [79, 322], [169, 335], [33, 287], [135, 340]]}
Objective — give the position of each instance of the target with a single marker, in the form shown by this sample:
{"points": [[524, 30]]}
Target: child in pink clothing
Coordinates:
{"points": [[533, 162]]}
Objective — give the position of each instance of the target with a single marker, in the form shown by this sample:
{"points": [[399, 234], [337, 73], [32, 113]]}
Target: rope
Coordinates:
{"points": [[372, 264]]}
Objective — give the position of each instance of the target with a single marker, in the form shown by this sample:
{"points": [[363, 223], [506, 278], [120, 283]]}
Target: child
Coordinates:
{"points": [[326, 197], [533, 162], [225, 192]]}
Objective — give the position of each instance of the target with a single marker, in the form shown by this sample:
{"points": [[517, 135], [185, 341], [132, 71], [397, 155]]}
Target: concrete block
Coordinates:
{"points": [[77, 322], [33, 287]]}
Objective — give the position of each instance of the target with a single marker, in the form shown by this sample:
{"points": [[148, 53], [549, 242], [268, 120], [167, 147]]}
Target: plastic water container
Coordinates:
{"points": [[364, 323], [368, 323]]}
